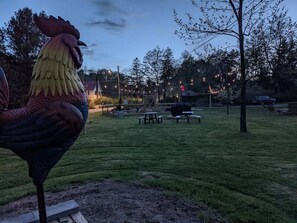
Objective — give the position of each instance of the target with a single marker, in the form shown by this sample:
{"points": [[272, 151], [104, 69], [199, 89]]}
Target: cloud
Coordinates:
{"points": [[107, 7], [108, 15], [92, 45], [89, 50], [108, 23]]}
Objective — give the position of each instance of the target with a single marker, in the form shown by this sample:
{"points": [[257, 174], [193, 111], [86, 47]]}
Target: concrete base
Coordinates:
{"points": [[55, 212]]}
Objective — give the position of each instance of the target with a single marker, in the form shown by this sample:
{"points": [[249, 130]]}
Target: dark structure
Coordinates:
{"points": [[189, 97], [179, 108], [43, 130]]}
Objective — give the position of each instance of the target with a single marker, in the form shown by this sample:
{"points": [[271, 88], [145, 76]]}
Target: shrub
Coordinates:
{"points": [[91, 104], [104, 100]]}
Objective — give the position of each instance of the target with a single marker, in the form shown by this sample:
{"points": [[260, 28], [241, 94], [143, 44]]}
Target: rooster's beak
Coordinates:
{"points": [[81, 43]]}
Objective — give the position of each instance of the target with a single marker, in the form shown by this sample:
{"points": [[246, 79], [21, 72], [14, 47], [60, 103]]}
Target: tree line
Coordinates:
{"points": [[270, 64], [20, 42], [265, 61]]}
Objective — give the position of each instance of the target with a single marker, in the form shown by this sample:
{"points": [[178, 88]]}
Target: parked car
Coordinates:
{"points": [[264, 100]]}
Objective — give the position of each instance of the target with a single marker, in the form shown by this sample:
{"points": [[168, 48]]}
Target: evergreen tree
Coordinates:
{"points": [[187, 71], [137, 77], [2, 43], [167, 72], [2, 49], [23, 42]]}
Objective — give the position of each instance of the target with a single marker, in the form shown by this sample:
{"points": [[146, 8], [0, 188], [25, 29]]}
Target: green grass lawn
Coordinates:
{"points": [[251, 178]]}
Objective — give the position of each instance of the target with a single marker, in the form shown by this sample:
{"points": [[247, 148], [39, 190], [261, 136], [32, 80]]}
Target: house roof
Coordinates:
{"points": [[91, 85]]}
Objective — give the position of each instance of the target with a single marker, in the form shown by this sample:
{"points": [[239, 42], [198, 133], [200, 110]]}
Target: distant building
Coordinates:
{"points": [[189, 97], [93, 89]]}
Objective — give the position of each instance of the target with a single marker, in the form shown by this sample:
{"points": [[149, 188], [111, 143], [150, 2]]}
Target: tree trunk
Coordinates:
{"points": [[228, 100], [243, 126]]}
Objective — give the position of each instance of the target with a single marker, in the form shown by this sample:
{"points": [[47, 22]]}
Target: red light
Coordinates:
{"points": [[182, 88]]}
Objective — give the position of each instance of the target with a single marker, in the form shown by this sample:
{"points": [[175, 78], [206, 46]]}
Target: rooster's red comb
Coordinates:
{"points": [[54, 26]]}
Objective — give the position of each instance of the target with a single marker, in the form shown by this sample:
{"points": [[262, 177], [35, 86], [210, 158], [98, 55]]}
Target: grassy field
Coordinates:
{"points": [[250, 178]]}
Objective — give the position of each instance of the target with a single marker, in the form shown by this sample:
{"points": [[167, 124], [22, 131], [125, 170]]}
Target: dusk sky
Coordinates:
{"points": [[117, 31]]}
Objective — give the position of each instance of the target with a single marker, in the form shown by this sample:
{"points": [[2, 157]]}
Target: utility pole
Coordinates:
{"points": [[97, 85], [119, 88]]}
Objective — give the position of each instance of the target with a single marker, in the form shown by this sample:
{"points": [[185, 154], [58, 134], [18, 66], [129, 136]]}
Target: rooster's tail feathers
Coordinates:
{"points": [[4, 91]]}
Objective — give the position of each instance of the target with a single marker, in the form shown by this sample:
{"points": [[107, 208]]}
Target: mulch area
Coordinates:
{"points": [[116, 202]]}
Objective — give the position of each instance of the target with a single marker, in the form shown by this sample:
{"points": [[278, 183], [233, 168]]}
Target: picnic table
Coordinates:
{"points": [[187, 114], [150, 117]]}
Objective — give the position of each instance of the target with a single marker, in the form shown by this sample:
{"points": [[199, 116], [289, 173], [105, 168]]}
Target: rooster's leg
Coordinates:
{"points": [[41, 203]]}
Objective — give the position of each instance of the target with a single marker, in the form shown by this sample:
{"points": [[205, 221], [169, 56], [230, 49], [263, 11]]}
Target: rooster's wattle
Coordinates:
{"points": [[43, 130]]}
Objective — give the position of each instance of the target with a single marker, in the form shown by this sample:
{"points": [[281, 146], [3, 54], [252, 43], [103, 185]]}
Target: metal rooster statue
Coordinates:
{"points": [[56, 112]]}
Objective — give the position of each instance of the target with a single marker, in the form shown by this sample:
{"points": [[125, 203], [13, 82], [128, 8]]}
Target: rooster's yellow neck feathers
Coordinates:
{"points": [[54, 71]]}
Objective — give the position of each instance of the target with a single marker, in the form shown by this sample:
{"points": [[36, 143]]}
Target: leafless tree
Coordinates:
{"points": [[236, 18], [153, 66]]}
